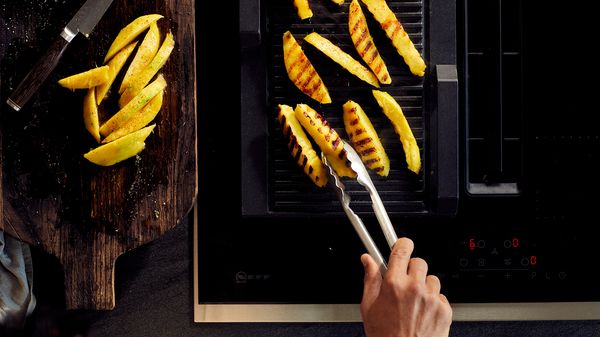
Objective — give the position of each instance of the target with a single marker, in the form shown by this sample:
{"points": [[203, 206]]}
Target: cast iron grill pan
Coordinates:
{"points": [[290, 191]]}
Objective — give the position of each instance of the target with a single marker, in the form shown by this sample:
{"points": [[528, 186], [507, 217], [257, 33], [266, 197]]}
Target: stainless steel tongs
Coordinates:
{"points": [[364, 179]]}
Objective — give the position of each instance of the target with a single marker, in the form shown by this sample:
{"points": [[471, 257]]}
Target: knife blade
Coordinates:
{"points": [[83, 22]]}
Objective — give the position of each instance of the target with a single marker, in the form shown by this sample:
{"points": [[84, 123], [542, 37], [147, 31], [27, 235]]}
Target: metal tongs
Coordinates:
{"points": [[364, 179]]}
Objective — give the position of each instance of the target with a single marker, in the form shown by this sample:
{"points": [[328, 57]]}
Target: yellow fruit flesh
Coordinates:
{"points": [[87, 79], [303, 9], [339, 2], [393, 111], [117, 120], [300, 146], [400, 39], [139, 81], [364, 44], [341, 166], [90, 114], [121, 149], [143, 56], [130, 32], [301, 72], [342, 58], [326, 138], [138, 120], [114, 66], [365, 140]]}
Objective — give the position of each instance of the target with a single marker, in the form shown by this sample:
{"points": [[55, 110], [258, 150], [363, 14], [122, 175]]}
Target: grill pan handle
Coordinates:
{"points": [[446, 145], [250, 32]]}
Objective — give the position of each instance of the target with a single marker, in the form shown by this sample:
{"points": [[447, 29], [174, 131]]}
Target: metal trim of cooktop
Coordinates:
{"points": [[239, 313], [295, 313]]}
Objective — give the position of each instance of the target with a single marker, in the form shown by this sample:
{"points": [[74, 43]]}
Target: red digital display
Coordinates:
{"points": [[515, 242], [533, 260], [472, 244]]}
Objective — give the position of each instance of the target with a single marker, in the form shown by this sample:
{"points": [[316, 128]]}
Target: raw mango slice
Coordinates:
{"points": [[87, 79], [121, 149]]}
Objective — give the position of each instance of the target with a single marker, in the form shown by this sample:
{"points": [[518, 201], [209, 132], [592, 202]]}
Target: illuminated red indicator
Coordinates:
{"points": [[472, 244], [532, 260], [515, 242]]}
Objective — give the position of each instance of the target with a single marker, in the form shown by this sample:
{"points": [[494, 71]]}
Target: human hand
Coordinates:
{"points": [[405, 302]]}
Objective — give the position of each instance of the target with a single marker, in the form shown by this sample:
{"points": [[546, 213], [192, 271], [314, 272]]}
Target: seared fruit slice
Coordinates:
{"points": [[364, 44], [130, 32], [326, 137], [341, 58], [140, 119], [400, 39], [339, 2], [114, 66], [90, 114], [143, 56], [300, 146], [341, 166], [121, 149], [363, 136], [87, 79], [303, 8], [301, 72], [393, 111], [121, 117]]}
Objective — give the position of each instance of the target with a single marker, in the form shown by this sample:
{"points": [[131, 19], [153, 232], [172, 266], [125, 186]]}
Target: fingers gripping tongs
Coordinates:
{"points": [[380, 212]]}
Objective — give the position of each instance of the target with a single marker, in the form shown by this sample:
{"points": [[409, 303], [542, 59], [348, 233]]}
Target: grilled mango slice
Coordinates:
{"points": [[364, 44], [300, 146], [400, 39], [303, 9], [301, 72], [341, 58], [393, 111], [326, 137], [363, 136]]}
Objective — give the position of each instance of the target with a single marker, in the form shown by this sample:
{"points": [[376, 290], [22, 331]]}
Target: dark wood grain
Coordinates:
{"points": [[84, 214]]}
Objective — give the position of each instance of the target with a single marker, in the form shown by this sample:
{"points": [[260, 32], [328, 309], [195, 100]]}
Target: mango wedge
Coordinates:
{"points": [[143, 56], [140, 80], [342, 58], [114, 66], [363, 136], [303, 9], [393, 111], [139, 120], [130, 32], [87, 79], [90, 114], [400, 39], [119, 119], [121, 149], [326, 137], [301, 72], [364, 44], [300, 146]]}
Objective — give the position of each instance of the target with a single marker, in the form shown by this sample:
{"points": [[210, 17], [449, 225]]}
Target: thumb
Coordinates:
{"points": [[372, 282]]}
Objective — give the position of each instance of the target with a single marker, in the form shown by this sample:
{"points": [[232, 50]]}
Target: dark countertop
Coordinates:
{"points": [[154, 298]]}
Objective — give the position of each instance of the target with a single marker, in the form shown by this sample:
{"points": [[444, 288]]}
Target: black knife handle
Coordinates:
{"points": [[38, 74]]}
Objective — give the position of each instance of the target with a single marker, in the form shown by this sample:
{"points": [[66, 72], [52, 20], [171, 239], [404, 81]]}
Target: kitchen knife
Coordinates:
{"points": [[83, 22]]}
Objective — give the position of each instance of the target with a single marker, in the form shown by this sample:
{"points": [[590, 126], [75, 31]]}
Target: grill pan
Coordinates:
{"points": [[272, 183]]}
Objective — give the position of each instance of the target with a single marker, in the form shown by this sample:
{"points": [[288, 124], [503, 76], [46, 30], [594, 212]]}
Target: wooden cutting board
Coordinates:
{"points": [[52, 197]]}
